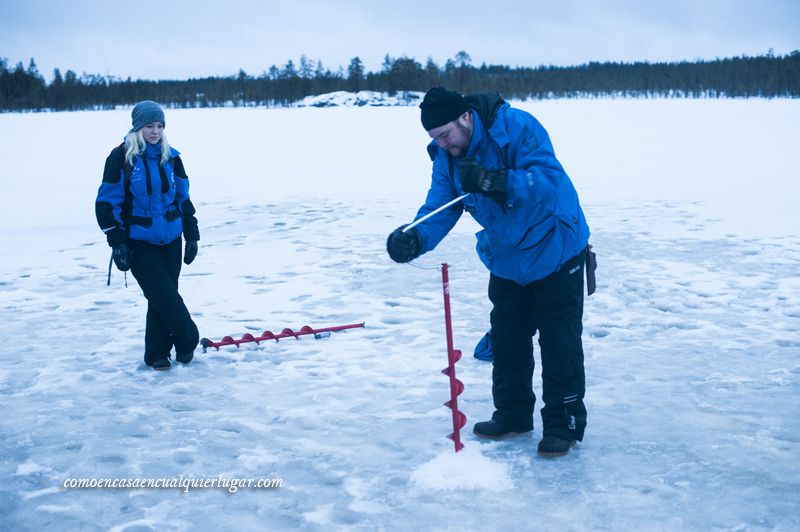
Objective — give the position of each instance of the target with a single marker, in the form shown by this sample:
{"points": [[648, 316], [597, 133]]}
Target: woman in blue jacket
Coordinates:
{"points": [[143, 207], [534, 243]]}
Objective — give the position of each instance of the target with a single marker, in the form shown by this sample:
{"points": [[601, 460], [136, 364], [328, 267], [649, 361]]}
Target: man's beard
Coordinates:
{"points": [[460, 150]]}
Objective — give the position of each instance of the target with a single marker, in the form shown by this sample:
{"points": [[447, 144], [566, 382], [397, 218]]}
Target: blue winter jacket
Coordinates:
{"points": [[539, 227], [146, 201]]}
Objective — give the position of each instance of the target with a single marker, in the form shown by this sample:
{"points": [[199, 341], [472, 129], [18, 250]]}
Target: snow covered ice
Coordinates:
{"points": [[692, 340]]}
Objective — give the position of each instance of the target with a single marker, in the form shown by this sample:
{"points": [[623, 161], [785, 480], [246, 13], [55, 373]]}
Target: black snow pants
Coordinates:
{"points": [[156, 269], [553, 306]]}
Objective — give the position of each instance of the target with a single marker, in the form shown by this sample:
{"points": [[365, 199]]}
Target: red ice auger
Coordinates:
{"points": [[453, 356], [269, 335]]}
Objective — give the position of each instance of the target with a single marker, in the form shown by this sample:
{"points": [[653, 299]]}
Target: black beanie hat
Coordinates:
{"points": [[441, 106]]}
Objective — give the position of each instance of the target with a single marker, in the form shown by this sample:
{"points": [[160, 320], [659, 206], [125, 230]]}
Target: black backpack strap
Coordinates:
{"points": [[127, 202], [486, 104], [126, 168]]}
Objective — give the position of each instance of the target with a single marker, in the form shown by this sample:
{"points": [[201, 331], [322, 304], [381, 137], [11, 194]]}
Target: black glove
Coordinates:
{"points": [[190, 252], [121, 254], [475, 178], [404, 247]]}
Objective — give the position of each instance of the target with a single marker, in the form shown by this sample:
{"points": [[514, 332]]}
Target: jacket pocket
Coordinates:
{"points": [[569, 224], [536, 235], [144, 221]]}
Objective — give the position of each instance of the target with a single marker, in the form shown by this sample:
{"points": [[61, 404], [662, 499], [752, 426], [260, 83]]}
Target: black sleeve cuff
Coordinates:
{"points": [[116, 237], [190, 230]]}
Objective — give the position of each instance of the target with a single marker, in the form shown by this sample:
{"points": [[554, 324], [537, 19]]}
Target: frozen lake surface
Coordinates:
{"points": [[692, 340]]}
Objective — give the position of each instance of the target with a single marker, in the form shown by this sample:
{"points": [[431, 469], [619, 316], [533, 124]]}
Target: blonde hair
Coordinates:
{"points": [[135, 145]]}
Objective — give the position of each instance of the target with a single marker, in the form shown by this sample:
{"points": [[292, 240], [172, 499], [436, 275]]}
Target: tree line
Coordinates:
{"points": [[766, 76]]}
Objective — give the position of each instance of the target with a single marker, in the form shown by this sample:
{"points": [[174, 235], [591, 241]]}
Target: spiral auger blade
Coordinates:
{"points": [[453, 356], [205, 343]]}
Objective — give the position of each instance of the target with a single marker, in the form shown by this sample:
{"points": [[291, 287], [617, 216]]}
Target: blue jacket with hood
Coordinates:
{"points": [[146, 201], [539, 227]]}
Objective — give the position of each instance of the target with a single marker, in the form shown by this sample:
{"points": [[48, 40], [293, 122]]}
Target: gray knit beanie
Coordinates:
{"points": [[145, 112]]}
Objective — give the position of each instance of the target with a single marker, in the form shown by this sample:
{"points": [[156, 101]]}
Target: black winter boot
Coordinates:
{"points": [[493, 430], [184, 358], [161, 364], [552, 446]]}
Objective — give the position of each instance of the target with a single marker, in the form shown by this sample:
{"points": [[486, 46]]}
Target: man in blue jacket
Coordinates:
{"points": [[534, 243]]}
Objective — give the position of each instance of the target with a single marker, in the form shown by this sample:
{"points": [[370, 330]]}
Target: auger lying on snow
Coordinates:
{"points": [[269, 335]]}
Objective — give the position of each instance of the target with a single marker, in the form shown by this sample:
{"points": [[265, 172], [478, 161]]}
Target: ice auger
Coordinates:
{"points": [[269, 335], [453, 356]]}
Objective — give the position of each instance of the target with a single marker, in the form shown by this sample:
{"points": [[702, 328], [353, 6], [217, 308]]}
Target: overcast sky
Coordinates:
{"points": [[178, 39]]}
